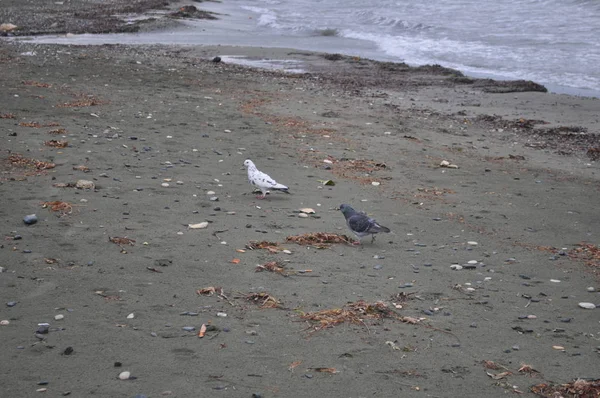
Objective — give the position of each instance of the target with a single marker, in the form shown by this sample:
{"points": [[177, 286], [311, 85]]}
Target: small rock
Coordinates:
{"points": [[4, 322], [124, 375], [85, 184], [11, 303], [201, 225], [303, 215], [131, 316], [456, 267], [587, 306], [30, 219], [59, 317]]}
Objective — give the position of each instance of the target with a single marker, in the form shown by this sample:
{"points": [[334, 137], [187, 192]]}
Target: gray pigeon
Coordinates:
{"points": [[263, 181], [361, 224]]}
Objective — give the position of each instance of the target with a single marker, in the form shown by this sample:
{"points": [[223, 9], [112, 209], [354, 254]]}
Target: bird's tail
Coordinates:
{"points": [[282, 188], [379, 228]]}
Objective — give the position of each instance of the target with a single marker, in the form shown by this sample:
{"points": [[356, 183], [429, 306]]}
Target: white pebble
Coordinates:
{"points": [[222, 314], [303, 215], [555, 280], [327, 161], [587, 306], [125, 375], [131, 316], [59, 317], [201, 225], [375, 183], [591, 289], [472, 243], [4, 322], [165, 184], [179, 182], [210, 193], [472, 262], [456, 267], [286, 251]]}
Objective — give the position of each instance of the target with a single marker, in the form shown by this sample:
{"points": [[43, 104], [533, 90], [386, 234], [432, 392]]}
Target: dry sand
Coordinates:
{"points": [[138, 118]]}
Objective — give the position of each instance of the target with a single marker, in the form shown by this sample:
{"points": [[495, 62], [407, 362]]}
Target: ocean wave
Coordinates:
{"points": [[267, 17]]}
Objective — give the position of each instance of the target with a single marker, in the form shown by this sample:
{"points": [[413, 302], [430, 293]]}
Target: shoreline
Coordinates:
{"points": [[477, 291], [152, 25]]}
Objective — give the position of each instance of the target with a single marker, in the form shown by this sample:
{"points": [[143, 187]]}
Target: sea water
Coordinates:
{"points": [[552, 42]]}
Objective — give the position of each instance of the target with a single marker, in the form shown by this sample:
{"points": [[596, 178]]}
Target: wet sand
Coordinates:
{"points": [[161, 130]]}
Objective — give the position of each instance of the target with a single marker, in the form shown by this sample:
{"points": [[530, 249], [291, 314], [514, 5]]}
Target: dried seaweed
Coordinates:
{"points": [[84, 102], [272, 266], [587, 252], [270, 246], [57, 131], [8, 116], [20, 161], [354, 313], [318, 239], [56, 144], [578, 388], [83, 168], [209, 291], [122, 241], [263, 300], [37, 84], [63, 207]]}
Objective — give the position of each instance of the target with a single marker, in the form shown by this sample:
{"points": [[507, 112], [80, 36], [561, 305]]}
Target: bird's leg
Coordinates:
{"points": [[372, 238], [261, 196], [356, 242]]}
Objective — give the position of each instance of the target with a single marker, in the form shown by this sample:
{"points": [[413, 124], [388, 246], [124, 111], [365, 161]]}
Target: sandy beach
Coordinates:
{"points": [[490, 190]]}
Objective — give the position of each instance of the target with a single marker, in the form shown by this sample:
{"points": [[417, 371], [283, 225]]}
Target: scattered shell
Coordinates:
{"points": [[222, 314], [125, 375], [201, 225], [303, 215], [375, 183], [558, 347], [165, 184], [587, 306], [328, 161], [472, 262], [85, 184], [210, 193], [456, 267], [472, 243], [4, 322], [286, 251], [555, 280], [131, 316], [7, 27], [307, 210]]}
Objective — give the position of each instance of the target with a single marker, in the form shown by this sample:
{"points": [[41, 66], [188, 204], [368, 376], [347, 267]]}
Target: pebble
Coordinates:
{"points": [[591, 289], [472, 243], [558, 347], [189, 328], [85, 184], [124, 375], [554, 280], [201, 225], [587, 306], [30, 219], [59, 317], [131, 316], [165, 184], [11, 303], [4, 322], [378, 266], [221, 314], [303, 215], [456, 267]]}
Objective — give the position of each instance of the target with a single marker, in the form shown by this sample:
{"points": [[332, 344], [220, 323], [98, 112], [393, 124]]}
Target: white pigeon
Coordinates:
{"points": [[262, 180]]}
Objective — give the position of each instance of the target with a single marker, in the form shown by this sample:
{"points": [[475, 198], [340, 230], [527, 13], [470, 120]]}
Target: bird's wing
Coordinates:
{"points": [[262, 179], [359, 223]]}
